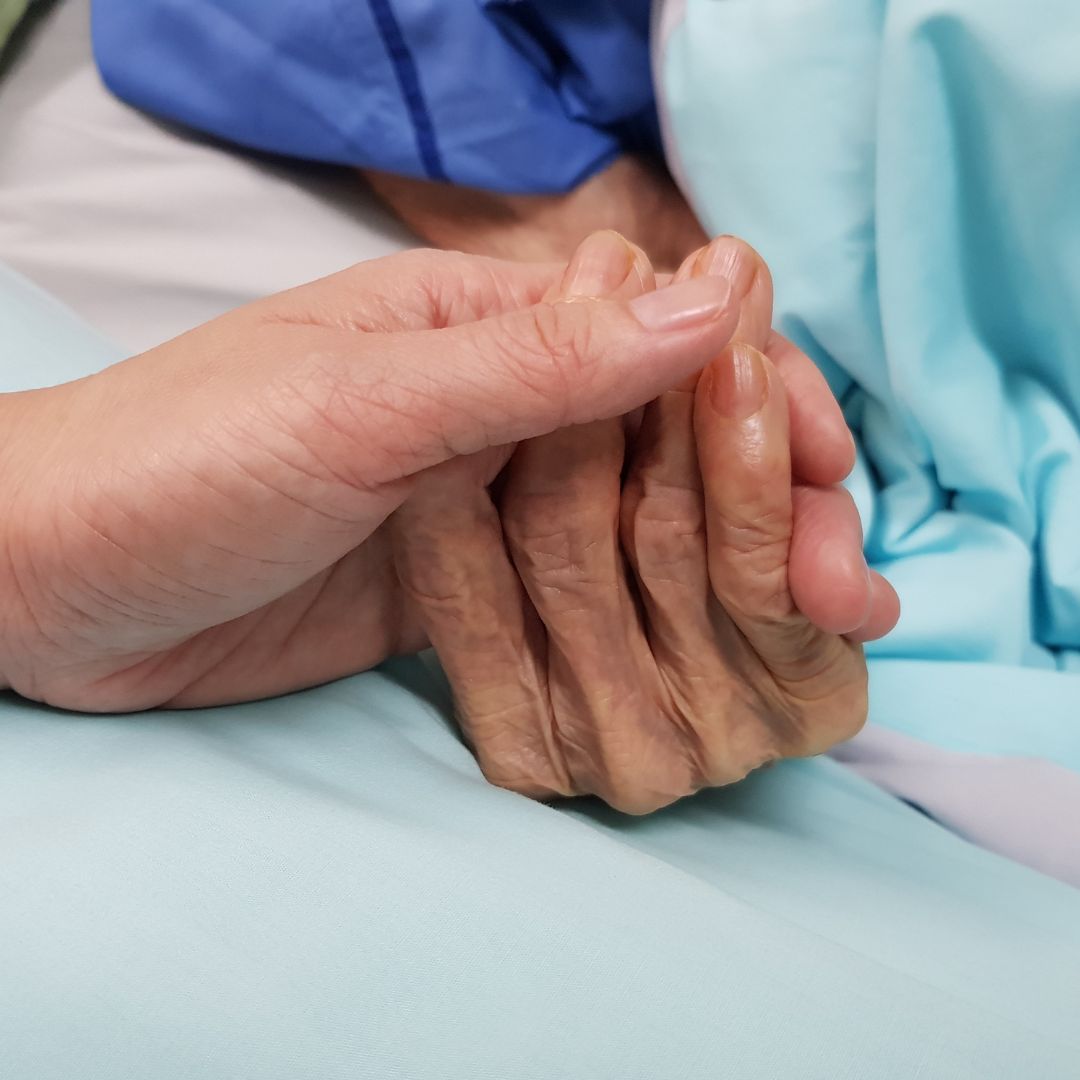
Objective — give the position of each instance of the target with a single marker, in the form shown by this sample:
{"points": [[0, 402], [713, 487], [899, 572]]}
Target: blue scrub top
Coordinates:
{"points": [[509, 95]]}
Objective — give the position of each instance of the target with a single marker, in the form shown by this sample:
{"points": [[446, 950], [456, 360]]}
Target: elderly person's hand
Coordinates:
{"points": [[207, 522], [633, 197], [649, 607]]}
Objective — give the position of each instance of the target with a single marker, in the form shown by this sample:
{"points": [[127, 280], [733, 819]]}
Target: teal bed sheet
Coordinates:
{"points": [[323, 885]]}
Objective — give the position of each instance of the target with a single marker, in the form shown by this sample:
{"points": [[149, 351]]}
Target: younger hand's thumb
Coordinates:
{"points": [[437, 394]]}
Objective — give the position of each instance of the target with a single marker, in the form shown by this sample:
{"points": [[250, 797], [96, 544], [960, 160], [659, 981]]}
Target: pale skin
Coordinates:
{"points": [[430, 449]]}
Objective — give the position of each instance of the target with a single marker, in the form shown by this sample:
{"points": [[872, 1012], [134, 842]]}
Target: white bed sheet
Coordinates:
{"points": [[145, 230]]}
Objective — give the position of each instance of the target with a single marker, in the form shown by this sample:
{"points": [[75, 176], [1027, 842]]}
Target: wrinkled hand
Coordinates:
{"points": [[206, 522], [652, 606], [630, 196]]}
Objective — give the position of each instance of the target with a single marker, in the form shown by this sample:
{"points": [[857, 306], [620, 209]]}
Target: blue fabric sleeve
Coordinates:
{"points": [[515, 96]]}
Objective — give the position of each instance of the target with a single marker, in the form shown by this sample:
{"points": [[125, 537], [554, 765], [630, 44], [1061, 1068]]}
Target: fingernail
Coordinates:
{"points": [[720, 257], [739, 384], [600, 265], [713, 259], [683, 305]]}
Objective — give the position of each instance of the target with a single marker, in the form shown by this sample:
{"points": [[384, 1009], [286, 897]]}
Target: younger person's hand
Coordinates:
{"points": [[205, 523]]}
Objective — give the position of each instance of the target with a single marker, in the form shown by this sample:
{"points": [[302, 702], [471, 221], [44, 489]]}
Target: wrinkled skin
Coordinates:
{"points": [[648, 606], [207, 522], [431, 448], [631, 196]]}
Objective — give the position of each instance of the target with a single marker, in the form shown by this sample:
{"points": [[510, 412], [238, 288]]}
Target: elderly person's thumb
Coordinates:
{"points": [[425, 396]]}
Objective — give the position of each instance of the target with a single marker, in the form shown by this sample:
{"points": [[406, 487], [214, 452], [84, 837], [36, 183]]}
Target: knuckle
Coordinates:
{"points": [[672, 551], [565, 338], [445, 290], [763, 598], [735, 736], [749, 565], [852, 708], [453, 288], [564, 583], [340, 425], [429, 274], [665, 502], [642, 784], [825, 699], [638, 793], [560, 545], [814, 665], [510, 749], [523, 347], [637, 802], [550, 348], [663, 526], [530, 779], [762, 536], [461, 288]]}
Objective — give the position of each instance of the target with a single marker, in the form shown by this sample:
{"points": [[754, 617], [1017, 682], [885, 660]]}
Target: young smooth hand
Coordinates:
{"points": [[207, 522]]}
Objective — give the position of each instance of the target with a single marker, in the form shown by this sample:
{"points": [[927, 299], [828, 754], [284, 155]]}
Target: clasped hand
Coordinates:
{"points": [[611, 508]]}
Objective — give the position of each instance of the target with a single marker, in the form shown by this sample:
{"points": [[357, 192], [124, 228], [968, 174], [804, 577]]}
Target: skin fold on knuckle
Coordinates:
{"points": [[752, 723], [370, 425], [563, 582], [635, 792], [637, 763], [504, 738], [339, 423], [471, 628], [461, 288], [754, 533], [513, 771], [663, 530], [389, 286], [447, 292], [607, 741], [551, 351], [836, 687], [822, 698], [644, 789], [443, 602], [714, 703], [813, 731], [749, 569], [501, 700], [565, 554]]}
